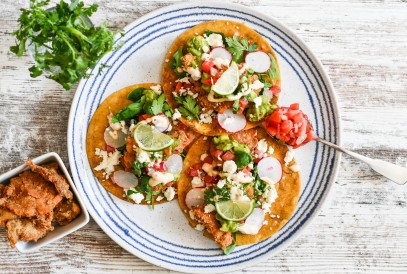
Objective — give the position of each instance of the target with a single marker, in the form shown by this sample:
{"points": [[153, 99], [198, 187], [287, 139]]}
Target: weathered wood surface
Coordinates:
{"points": [[364, 226]]}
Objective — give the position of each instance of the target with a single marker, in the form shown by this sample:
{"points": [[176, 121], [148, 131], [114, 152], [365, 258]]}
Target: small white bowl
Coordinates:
{"points": [[59, 231]]}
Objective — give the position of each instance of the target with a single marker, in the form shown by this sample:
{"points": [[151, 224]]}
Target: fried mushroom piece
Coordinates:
{"points": [[66, 211], [52, 176], [29, 195], [224, 239], [25, 229]]}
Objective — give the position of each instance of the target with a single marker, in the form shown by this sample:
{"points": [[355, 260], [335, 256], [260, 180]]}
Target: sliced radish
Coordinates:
{"points": [[258, 61], [195, 197], [231, 122], [174, 163], [253, 223], [114, 138], [270, 170], [125, 179], [161, 122], [221, 52]]}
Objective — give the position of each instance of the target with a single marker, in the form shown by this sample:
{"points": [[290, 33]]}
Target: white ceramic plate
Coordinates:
{"points": [[163, 236]]}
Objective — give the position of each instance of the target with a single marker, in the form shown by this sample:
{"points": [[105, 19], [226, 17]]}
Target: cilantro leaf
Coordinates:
{"points": [[144, 187], [176, 61], [238, 48], [222, 193], [64, 42], [137, 167], [157, 105], [189, 107], [242, 159]]}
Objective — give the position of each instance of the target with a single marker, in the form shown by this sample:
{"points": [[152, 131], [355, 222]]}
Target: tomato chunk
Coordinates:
{"points": [[217, 153], [228, 156], [207, 65]]}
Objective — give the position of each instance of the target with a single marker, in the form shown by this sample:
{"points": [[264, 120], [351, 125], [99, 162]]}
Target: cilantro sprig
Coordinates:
{"points": [[189, 107], [64, 43], [237, 47]]}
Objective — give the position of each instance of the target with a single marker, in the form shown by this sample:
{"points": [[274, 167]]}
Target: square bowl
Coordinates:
{"points": [[59, 231]]}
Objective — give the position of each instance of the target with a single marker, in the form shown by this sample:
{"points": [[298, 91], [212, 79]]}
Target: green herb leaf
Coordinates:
{"points": [[65, 44], [222, 193], [144, 187], [136, 94], [238, 48], [128, 112], [137, 167], [236, 106], [189, 107], [157, 105], [242, 159], [176, 61]]}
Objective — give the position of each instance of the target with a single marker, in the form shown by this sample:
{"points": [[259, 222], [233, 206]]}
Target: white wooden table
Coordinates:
{"points": [[363, 45]]}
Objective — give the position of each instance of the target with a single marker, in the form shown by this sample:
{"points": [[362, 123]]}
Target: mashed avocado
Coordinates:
{"points": [[256, 113], [196, 46]]}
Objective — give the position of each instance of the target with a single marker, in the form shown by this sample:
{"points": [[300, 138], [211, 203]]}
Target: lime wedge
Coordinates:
{"points": [[228, 82], [234, 210], [150, 139]]}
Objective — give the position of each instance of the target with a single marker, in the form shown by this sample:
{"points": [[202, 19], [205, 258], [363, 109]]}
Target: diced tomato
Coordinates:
{"points": [[144, 116], [295, 106], [187, 86], [207, 82], [178, 86], [208, 160], [160, 166], [213, 71], [207, 65], [216, 153], [210, 180], [194, 170], [228, 155], [166, 152], [109, 148], [242, 105], [275, 90], [256, 160], [289, 124], [246, 170], [286, 126]]}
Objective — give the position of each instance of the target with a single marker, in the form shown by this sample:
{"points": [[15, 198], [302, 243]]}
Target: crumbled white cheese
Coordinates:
{"points": [[267, 180], [192, 94], [219, 62], [209, 208], [205, 118], [183, 80], [250, 165], [159, 198], [109, 160], [241, 178], [137, 197], [256, 85], [196, 182], [156, 89], [169, 193], [176, 114], [191, 215], [215, 40], [229, 166], [160, 121], [295, 168], [208, 168], [195, 73], [257, 101], [143, 156], [268, 197], [244, 68], [205, 48], [158, 177], [199, 227], [270, 151], [262, 146], [237, 194], [289, 156], [203, 156], [221, 183], [205, 56], [265, 222]]}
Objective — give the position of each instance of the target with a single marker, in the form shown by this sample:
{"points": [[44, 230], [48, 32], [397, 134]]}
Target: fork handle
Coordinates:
{"points": [[397, 174]]}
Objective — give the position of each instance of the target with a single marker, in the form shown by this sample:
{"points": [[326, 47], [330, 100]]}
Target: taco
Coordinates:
{"points": [[134, 148], [236, 189], [223, 71]]}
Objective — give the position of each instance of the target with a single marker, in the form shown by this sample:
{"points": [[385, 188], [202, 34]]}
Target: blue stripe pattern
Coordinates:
{"points": [[165, 252]]}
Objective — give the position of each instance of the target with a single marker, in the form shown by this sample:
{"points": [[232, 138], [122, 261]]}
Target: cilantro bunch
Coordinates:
{"points": [[64, 43]]}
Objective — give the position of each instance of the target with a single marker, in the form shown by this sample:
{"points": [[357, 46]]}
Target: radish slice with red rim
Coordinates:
{"points": [[174, 163], [253, 223], [161, 122], [221, 52], [195, 197], [114, 138], [258, 61], [270, 170], [231, 122], [125, 179]]}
